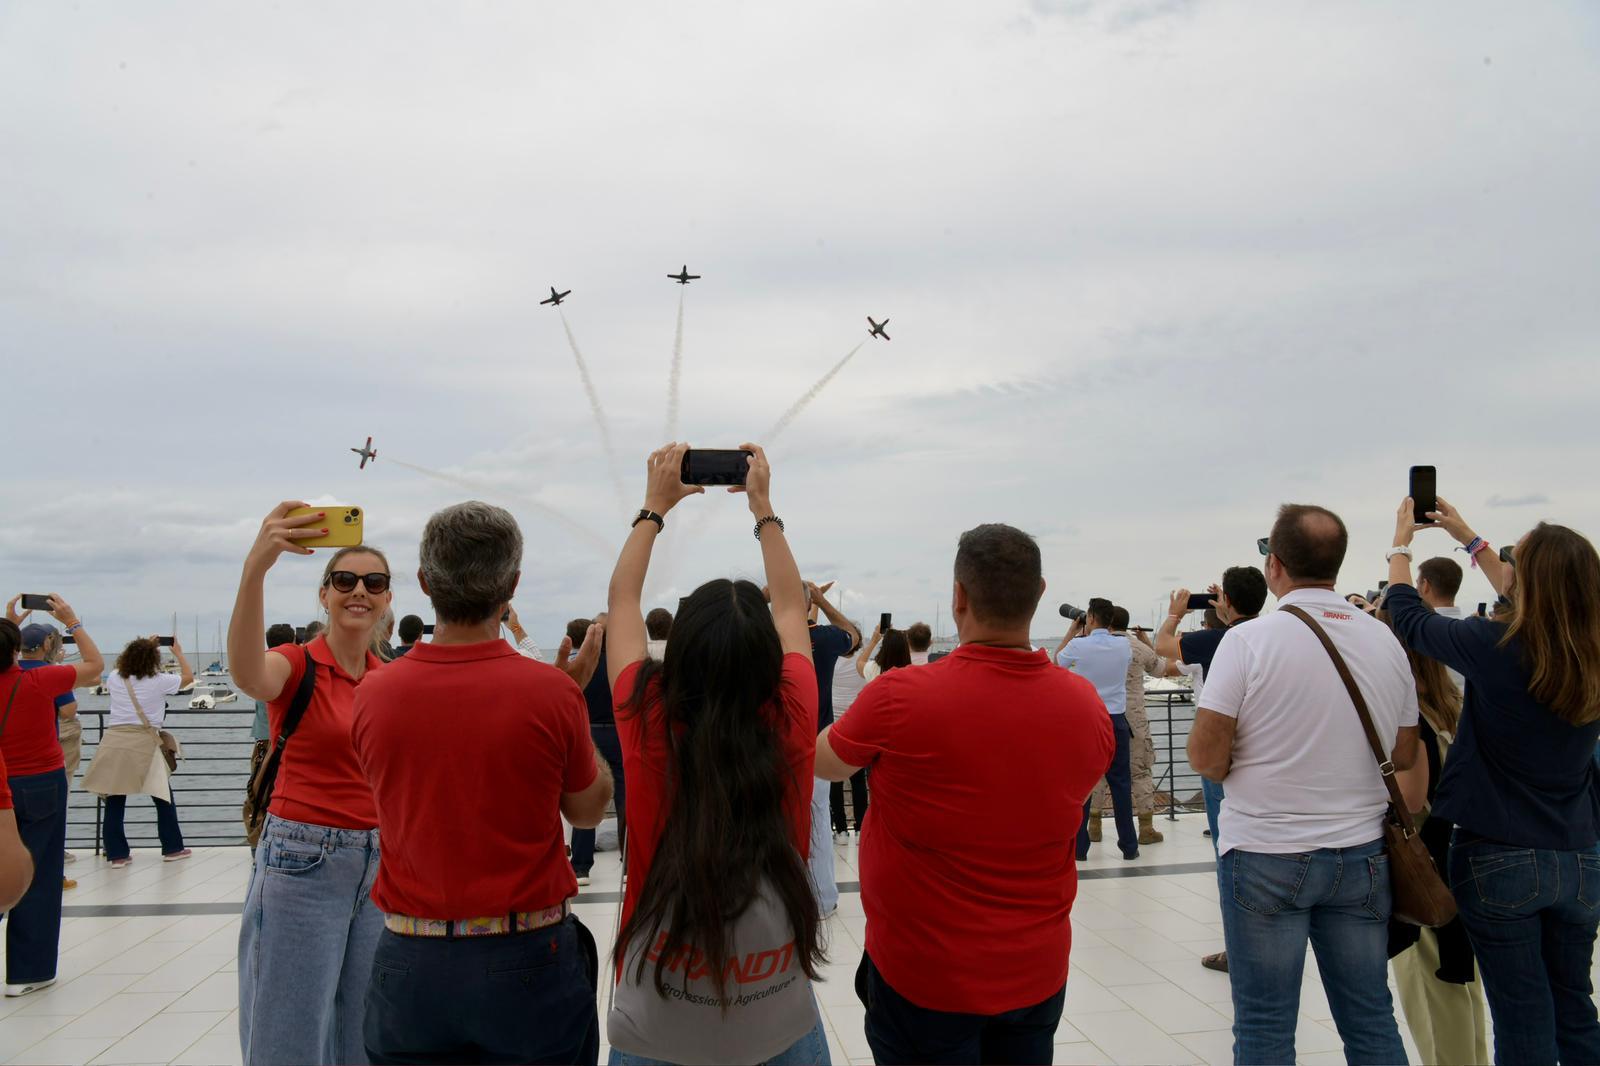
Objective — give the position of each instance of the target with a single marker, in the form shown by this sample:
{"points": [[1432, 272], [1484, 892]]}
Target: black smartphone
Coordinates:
{"points": [[1508, 555], [883, 622], [1382, 585], [165, 642], [1424, 493], [299, 634], [69, 640], [715, 466], [1483, 610], [33, 601], [427, 630], [1199, 601]]}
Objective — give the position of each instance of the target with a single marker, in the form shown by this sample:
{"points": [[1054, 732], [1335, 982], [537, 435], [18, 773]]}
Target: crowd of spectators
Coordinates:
{"points": [[722, 735]]}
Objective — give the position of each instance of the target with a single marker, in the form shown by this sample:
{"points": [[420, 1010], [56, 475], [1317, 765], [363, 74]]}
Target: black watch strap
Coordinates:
{"points": [[647, 515]]}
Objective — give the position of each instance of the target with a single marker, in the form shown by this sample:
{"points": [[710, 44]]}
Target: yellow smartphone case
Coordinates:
{"points": [[344, 525]]}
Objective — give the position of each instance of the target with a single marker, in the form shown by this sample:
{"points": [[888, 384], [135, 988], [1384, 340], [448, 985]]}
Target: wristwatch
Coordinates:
{"points": [[647, 515], [1401, 549]]}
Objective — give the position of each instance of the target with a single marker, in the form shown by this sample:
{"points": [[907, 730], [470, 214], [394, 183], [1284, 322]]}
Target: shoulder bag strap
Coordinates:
{"points": [[302, 700], [138, 710], [13, 696], [1385, 765]]}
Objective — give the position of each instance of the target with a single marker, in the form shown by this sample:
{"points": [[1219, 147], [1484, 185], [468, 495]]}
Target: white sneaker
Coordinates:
{"points": [[842, 837], [13, 991], [68, 857], [583, 879]]}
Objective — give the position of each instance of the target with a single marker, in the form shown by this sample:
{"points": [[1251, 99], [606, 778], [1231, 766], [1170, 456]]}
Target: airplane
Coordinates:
{"points": [[683, 277], [876, 328], [366, 453], [556, 297]]}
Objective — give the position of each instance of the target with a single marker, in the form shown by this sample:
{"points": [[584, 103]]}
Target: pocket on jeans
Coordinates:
{"points": [[1380, 892], [1589, 879], [1265, 884], [293, 857], [1507, 878]]}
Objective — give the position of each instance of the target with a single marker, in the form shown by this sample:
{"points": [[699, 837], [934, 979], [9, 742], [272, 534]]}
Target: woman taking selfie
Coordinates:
{"points": [[31, 752], [309, 930], [1520, 784], [128, 760], [717, 740]]}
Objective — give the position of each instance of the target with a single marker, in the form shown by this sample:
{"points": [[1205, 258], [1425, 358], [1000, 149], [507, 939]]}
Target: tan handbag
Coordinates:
{"points": [[168, 744], [1419, 893]]}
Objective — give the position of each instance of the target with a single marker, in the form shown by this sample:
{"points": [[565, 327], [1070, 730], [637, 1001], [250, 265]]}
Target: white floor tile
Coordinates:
{"points": [[1082, 1052], [1126, 1037], [219, 992], [62, 1051], [20, 1033], [120, 1015], [162, 1038]]}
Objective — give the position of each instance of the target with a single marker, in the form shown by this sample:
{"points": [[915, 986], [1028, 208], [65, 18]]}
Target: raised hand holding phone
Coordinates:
{"points": [[281, 533], [664, 486]]}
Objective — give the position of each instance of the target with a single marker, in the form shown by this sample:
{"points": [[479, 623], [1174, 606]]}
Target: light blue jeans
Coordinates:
{"points": [[811, 1048], [823, 881], [1339, 899], [306, 943]]}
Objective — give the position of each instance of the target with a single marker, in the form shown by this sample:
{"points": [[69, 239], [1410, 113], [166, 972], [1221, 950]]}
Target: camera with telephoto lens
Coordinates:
{"points": [[1071, 612]]}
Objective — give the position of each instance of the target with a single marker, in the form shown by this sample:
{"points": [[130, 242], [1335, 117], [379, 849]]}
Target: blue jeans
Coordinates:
{"points": [[899, 1031], [1531, 917], [1120, 781], [610, 749], [529, 997], [1271, 904], [33, 928], [1212, 793], [824, 883], [811, 1048], [306, 942], [167, 827]]}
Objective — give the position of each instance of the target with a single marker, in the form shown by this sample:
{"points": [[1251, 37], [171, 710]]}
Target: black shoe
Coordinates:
{"points": [[1129, 856]]}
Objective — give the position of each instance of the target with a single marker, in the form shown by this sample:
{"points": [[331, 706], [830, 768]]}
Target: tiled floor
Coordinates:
{"points": [[161, 988]]}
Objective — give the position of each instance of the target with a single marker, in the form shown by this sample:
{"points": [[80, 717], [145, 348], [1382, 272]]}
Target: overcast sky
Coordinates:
{"points": [[1152, 269]]}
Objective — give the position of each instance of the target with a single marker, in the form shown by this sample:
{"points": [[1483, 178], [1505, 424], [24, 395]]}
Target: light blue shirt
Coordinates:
{"points": [[1101, 658]]}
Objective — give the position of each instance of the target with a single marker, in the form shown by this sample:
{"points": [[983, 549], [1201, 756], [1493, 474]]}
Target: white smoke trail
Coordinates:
{"points": [[805, 401], [599, 414], [675, 375], [489, 492]]}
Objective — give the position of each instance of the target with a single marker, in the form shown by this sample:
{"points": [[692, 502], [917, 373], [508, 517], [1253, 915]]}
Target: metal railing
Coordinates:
{"points": [[208, 788], [1177, 786]]}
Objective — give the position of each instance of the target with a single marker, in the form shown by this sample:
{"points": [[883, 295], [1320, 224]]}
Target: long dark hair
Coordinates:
{"points": [[894, 652], [726, 829], [10, 641], [1555, 613]]}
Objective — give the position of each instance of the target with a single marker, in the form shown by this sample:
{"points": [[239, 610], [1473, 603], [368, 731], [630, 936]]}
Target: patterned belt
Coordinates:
{"points": [[502, 925]]}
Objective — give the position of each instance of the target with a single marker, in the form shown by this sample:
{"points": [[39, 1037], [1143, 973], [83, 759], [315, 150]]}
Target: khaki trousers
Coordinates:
{"points": [[1446, 1020], [1141, 764]]}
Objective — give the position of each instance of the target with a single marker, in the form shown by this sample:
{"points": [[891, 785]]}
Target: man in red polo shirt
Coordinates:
{"points": [[474, 752], [981, 763]]}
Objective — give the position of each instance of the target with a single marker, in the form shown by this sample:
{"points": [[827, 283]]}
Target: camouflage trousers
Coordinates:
{"points": [[1141, 764]]}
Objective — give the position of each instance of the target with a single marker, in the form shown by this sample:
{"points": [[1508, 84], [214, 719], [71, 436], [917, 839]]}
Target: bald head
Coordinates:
{"points": [[1309, 542]]}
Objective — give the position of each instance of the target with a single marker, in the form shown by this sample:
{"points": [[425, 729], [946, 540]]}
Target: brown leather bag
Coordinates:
{"points": [[1419, 893]]}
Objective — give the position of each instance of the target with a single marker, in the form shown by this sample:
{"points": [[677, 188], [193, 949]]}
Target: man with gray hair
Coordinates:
{"points": [[474, 753]]}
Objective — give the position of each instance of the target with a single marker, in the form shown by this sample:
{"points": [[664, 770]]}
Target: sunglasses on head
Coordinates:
{"points": [[345, 581], [1262, 546]]}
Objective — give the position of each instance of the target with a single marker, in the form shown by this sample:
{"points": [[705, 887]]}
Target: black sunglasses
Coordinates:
{"points": [[1507, 556], [345, 581], [1262, 546]]}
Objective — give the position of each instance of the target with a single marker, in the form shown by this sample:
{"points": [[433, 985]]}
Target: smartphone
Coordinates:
{"points": [[299, 634], [715, 466], [1424, 493], [1483, 610], [883, 622], [1199, 601], [344, 525], [1382, 585], [33, 601], [165, 642], [1508, 555], [427, 630]]}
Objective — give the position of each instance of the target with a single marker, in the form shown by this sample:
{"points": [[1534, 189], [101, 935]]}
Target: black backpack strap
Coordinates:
{"points": [[9, 701], [268, 775]]}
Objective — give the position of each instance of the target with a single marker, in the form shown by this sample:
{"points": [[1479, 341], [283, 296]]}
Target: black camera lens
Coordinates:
{"points": [[355, 512], [1069, 611]]}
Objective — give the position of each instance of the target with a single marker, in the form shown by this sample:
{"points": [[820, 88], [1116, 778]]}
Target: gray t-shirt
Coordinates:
{"points": [[768, 996]]}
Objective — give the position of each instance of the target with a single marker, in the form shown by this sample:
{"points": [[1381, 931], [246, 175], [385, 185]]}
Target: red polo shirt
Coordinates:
{"points": [[319, 781], [468, 748], [980, 763], [647, 764], [30, 742], [5, 786]]}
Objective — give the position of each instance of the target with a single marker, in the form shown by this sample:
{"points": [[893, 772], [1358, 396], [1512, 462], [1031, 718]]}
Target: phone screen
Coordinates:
{"points": [[299, 634], [33, 601], [1483, 610], [427, 630], [715, 466], [165, 642], [883, 622], [1199, 601], [1424, 493]]}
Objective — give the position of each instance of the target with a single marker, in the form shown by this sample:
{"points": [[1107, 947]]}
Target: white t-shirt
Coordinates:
{"points": [[847, 685], [919, 658], [152, 693], [871, 670], [1303, 776]]}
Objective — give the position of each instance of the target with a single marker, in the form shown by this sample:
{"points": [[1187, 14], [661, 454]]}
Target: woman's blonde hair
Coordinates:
{"points": [[1555, 614]]}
